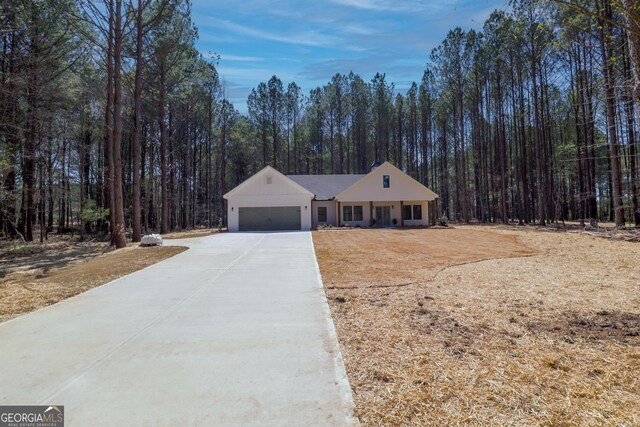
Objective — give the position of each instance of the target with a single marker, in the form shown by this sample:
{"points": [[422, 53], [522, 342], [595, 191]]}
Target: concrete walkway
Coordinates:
{"points": [[234, 331]]}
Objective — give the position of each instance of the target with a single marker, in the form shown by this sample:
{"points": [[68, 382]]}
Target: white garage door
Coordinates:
{"points": [[269, 218]]}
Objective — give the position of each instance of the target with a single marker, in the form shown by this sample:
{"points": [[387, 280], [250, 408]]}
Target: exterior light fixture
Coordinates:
{"points": [[231, 208]]}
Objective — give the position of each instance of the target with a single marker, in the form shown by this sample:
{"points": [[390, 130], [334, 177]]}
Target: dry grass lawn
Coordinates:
{"points": [[44, 275], [486, 325]]}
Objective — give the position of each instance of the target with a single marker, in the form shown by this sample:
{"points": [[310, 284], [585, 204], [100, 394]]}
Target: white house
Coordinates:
{"points": [[384, 197]]}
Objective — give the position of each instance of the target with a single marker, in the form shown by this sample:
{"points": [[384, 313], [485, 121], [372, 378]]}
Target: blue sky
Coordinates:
{"points": [[310, 41]]}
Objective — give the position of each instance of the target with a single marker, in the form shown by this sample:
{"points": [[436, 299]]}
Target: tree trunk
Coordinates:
{"points": [[119, 229], [108, 152], [137, 123], [609, 85], [631, 14], [164, 225], [538, 137], [29, 164], [222, 163], [10, 129]]}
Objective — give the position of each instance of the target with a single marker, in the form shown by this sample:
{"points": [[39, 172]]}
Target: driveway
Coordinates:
{"points": [[234, 331]]}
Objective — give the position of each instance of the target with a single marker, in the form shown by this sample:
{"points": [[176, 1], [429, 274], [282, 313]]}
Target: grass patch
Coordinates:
{"points": [[16, 250], [486, 326]]}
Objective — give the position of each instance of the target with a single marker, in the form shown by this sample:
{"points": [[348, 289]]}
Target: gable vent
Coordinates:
{"points": [[268, 180]]}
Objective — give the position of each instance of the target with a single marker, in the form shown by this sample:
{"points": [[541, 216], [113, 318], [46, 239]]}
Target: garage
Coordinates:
{"points": [[269, 201], [269, 218]]}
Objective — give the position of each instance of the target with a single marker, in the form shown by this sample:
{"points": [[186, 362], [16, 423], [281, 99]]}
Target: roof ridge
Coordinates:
{"points": [[326, 186], [326, 174]]}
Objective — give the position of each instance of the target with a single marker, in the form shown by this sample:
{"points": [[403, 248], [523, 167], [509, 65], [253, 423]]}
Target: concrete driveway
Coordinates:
{"points": [[234, 331]]}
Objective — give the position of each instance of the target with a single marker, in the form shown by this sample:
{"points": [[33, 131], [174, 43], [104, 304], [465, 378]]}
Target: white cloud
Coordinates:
{"points": [[359, 29], [239, 58], [391, 6], [361, 4], [306, 38]]}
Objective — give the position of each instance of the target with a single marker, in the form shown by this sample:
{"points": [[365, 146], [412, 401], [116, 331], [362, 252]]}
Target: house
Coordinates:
{"points": [[384, 197]]}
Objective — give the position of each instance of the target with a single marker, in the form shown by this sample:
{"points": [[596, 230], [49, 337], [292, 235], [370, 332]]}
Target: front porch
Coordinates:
{"points": [[370, 214]]}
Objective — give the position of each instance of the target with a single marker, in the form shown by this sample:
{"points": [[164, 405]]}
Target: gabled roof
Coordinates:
{"points": [[326, 187], [343, 187], [370, 187], [266, 171]]}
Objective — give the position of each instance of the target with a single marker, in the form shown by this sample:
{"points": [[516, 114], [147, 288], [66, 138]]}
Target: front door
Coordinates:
{"points": [[383, 216]]}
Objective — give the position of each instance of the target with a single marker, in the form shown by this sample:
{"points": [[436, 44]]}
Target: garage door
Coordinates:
{"points": [[270, 218]]}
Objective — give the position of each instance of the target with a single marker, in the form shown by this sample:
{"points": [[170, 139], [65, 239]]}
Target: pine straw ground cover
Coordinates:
{"points": [[46, 274], [486, 326]]}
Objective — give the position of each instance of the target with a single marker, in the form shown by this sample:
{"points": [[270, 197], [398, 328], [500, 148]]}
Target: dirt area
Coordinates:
{"points": [[198, 232], [486, 325], [605, 230], [57, 253], [34, 276]]}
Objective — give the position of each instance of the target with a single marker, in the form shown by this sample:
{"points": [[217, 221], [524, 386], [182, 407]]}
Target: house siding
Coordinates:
{"points": [[257, 192], [269, 188], [425, 214], [332, 218], [370, 188], [366, 217]]}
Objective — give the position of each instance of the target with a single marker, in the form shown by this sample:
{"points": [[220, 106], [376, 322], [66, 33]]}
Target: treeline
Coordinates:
{"points": [[532, 119], [112, 122]]}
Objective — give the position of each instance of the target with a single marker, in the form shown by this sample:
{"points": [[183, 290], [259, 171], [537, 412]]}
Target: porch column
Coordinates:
{"points": [[371, 213], [401, 213], [338, 214], [434, 215]]}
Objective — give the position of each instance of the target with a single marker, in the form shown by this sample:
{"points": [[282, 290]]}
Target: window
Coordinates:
{"points": [[417, 212], [385, 181], [347, 213], [407, 212], [357, 213], [412, 212], [322, 214], [352, 213]]}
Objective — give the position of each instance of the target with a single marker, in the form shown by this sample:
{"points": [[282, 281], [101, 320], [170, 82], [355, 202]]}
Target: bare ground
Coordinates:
{"points": [[57, 253], [197, 232], [34, 276], [483, 325]]}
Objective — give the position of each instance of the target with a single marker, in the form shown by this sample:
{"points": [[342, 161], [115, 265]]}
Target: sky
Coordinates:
{"points": [[310, 41]]}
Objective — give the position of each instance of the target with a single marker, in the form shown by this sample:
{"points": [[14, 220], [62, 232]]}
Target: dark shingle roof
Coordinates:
{"points": [[326, 187]]}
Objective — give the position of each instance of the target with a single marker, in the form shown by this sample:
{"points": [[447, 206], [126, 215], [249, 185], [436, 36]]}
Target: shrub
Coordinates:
{"points": [[92, 213], [443, 220]]}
